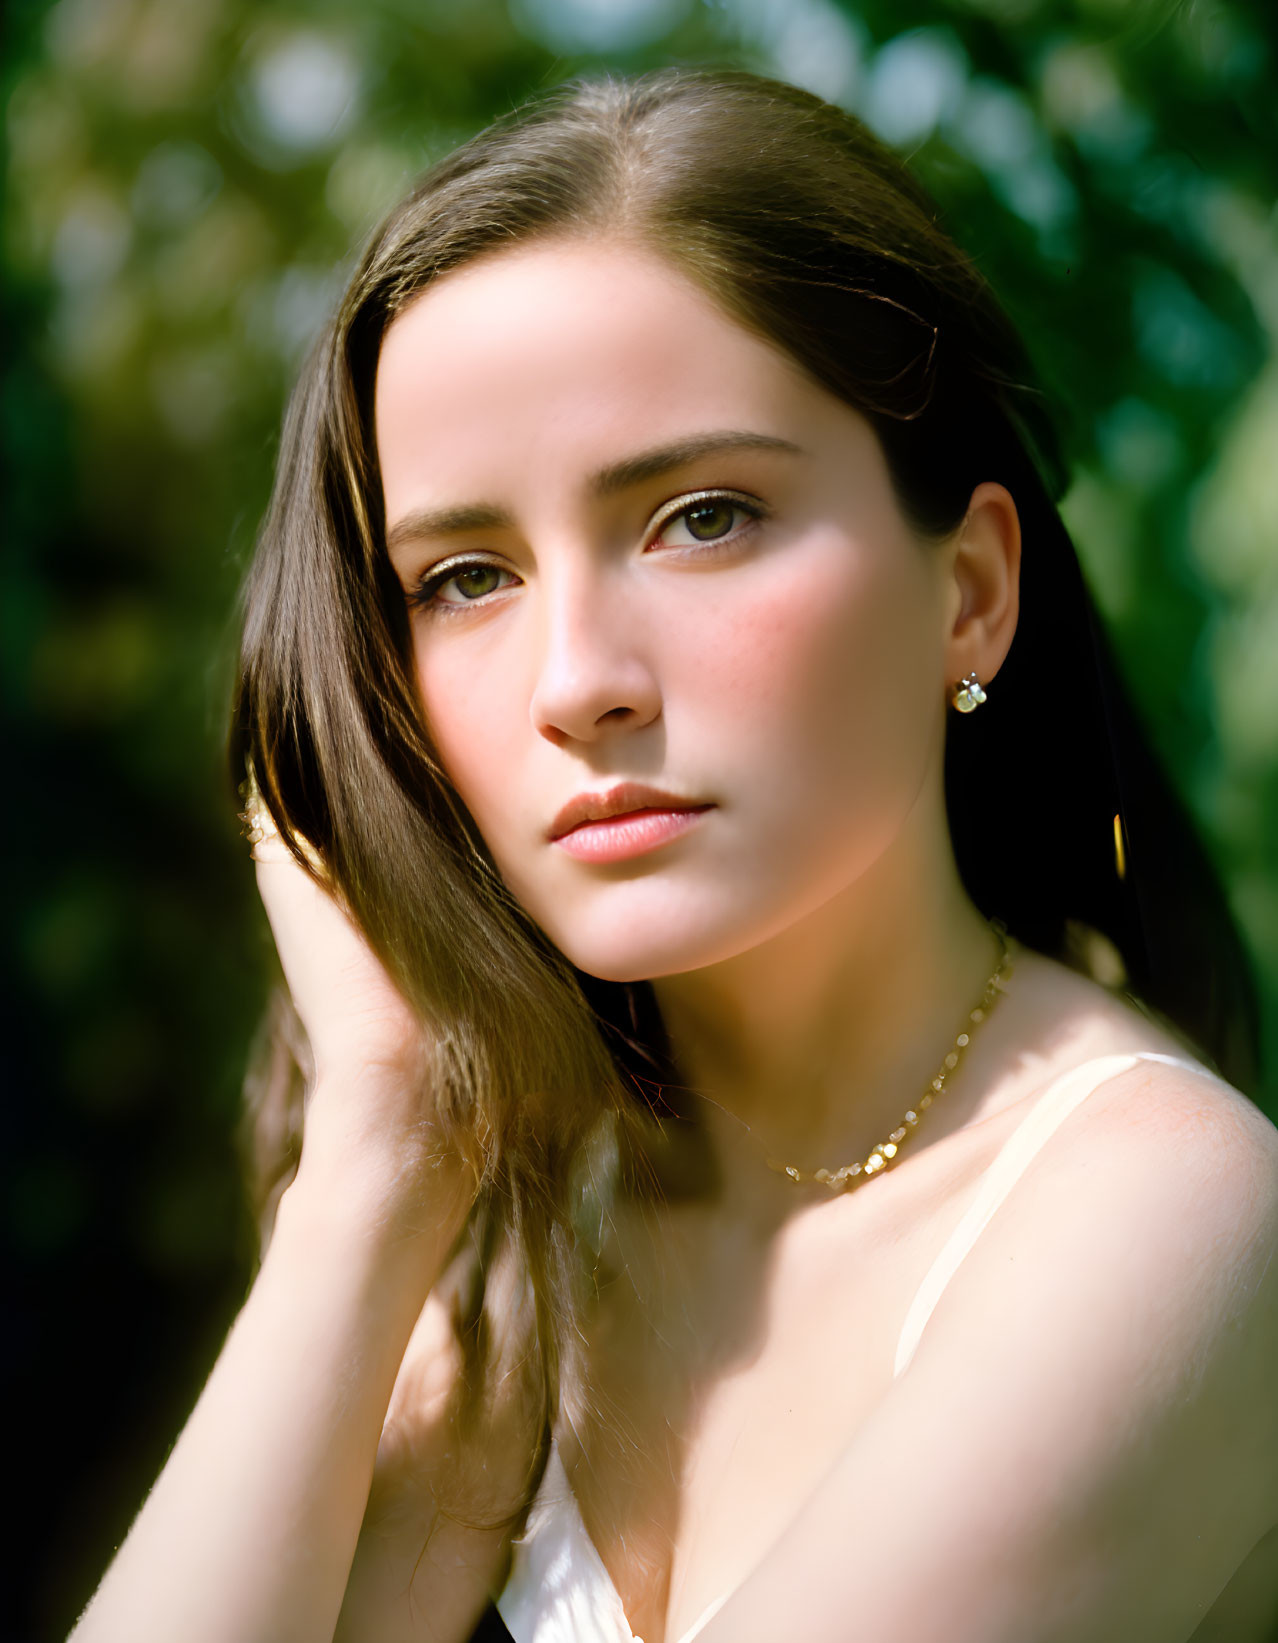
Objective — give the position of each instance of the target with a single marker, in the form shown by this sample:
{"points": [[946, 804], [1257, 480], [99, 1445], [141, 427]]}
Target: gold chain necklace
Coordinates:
{"points": [[885, 1151]]}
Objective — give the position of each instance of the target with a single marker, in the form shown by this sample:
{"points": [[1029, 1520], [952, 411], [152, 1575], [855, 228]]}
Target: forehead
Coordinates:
{"points": [[576, 345]]}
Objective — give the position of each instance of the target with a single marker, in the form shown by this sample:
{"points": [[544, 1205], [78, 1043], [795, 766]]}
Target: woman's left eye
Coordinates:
{"points": [[708, 519]]}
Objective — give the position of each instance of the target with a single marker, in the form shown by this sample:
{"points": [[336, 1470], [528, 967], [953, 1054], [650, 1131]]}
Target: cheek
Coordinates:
{"points": [[477, 718], [830, 676]]}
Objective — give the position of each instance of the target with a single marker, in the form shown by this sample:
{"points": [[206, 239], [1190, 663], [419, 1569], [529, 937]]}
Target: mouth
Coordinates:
{"points": [[627, 820], [629, 833]]}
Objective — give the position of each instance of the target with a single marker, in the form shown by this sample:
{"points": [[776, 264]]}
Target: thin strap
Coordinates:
{"points": [[1047, 1114], [706, 1616]]}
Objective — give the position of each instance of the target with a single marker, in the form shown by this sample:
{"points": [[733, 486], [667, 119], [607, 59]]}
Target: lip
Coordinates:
{"points": [[616, 801], [632, 834]]}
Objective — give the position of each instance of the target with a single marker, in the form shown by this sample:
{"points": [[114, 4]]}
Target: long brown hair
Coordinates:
{"points": [[809, 232]]}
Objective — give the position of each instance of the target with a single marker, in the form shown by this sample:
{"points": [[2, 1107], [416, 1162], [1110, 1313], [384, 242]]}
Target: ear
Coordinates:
{"points": [[982, 592]]}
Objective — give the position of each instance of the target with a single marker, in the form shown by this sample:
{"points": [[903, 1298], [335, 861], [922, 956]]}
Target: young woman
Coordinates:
{"points": [[766, 1050]]}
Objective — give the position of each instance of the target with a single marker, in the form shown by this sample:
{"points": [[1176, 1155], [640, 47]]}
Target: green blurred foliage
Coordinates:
{"points": [[186, 184]]}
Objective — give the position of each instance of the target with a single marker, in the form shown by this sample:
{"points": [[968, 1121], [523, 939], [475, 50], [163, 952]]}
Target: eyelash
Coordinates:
{"points": [[422, 595]]}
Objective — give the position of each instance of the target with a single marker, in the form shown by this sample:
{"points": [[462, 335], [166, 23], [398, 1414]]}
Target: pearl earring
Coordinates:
{"points": [[967, 695]]}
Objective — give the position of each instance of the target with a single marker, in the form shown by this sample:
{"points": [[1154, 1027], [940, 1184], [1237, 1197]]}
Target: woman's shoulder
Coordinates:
{"points": [[1162, 1159], [1128, 1288], [1168, 1145], [1158, 1132], [1159, 1195], [1073, 1021]]}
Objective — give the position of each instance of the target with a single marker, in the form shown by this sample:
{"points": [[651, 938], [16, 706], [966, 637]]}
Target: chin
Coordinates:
{"points": [[631, 960], [626, 950]]}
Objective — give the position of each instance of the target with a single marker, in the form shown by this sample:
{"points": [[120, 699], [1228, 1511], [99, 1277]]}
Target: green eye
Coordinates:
{"points": [[470, 581], [473, 582], [710, 519]]}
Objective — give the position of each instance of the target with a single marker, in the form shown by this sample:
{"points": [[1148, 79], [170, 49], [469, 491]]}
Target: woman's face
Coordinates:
{"points": [[657, 552]]}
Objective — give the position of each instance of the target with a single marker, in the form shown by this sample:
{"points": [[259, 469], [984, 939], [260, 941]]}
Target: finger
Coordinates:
{"points": [[266, 843], [271, 849]]}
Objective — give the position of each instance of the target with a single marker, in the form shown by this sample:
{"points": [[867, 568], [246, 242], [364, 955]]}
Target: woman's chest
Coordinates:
{"points": [[727, 1376]]}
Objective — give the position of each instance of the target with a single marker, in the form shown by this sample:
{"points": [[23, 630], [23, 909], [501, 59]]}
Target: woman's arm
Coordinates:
{"points": [[422, 1573], [250, 1530], [1085, 1446]]}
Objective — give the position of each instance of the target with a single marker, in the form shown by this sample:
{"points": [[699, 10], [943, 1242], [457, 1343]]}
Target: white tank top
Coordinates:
{"points": [[559, 1590]]}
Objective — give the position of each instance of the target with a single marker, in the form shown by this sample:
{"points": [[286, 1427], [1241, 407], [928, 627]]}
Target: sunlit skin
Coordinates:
{"points": [[809, 938], [811, 946]]}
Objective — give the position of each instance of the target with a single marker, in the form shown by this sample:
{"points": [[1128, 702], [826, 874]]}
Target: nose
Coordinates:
{"points": [[593, 671]]}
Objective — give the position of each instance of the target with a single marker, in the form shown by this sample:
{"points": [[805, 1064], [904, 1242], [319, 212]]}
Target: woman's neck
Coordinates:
{"points": [[811, 1045]]}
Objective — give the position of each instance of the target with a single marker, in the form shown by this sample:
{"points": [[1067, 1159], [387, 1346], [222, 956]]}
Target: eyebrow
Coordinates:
{"points": [[616, 477]]}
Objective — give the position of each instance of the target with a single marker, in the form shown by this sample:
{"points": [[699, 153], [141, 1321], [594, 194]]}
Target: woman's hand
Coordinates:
{"points": [[369, 1133], [354, 1016]]}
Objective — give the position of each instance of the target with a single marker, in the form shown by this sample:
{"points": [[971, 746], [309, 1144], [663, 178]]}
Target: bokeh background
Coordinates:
{"points": [[186, 182]]}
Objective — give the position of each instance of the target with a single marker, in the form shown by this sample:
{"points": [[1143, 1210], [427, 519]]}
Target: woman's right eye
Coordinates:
{"points": [[475, 578]]}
